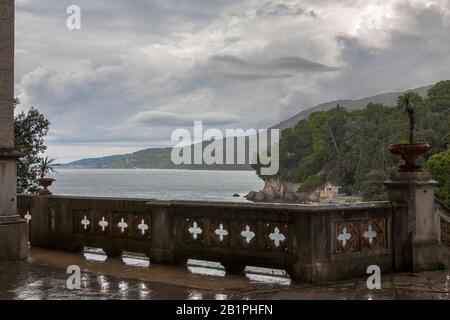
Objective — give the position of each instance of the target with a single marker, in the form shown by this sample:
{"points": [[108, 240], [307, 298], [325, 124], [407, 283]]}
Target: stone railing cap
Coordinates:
{"points": [[268, 206]]}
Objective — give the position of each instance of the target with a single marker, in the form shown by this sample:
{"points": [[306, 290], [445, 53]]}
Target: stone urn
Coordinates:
{"points": [[409, 152], [45, 183]]}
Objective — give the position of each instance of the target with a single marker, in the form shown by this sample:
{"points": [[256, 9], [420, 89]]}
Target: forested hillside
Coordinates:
{"points": [[351, 148]]}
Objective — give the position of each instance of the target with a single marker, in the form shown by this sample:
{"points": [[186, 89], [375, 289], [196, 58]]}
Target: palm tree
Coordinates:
{"points": [[44, 166], [409, 109]]}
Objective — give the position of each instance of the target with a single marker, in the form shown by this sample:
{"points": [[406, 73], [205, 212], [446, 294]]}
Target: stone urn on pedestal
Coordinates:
{"points": [[44, 168], [416, 225], [411, 151]]}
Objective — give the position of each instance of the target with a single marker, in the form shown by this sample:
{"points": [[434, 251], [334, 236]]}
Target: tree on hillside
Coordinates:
{"points": [[373, 186], [439, 96], [30, 128], [439, 166]]}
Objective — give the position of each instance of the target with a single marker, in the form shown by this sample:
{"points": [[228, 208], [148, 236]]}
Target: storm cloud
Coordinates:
{"points": [[139, 69]]}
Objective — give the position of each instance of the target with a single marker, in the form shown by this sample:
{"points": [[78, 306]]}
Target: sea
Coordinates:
{"points": [[159, 184]]}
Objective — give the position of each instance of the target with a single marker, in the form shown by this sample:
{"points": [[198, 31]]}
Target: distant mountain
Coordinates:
{"points": [[388, 99], [159, 158], [153, 158]]}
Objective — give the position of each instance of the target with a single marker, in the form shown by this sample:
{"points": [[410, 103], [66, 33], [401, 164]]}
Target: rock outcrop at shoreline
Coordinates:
{"points": [[277, 190]]}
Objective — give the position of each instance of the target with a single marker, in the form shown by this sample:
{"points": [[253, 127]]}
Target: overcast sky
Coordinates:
{"points": [[138, 69]]}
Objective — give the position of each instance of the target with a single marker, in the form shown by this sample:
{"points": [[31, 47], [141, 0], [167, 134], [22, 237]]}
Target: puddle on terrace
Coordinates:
{"points": [[206, 268], [195, 267], [134, 259], [94, 254], [195, 296], [254, 274], [104, 283], [267, 275], [144, 291]]}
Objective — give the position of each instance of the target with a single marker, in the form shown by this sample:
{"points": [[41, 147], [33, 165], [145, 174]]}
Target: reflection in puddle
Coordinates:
{"points": [[123, 286], [267, 275], [221, 296], [133, 259], [206, 268], [144, 291], [195, 296], [104, 284], [123, 289], [31, 291], [94, 254], [84, 281]]}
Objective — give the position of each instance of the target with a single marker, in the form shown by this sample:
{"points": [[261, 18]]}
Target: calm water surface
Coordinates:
{"points": [[155, 183]]}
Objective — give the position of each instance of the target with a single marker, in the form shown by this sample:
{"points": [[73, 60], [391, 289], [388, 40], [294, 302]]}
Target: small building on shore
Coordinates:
{"points": [[329, 191]]}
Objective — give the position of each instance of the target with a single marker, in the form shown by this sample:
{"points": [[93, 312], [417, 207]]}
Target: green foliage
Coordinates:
{"points": [[351, 148], [439, 166], [439, 96], [311, 183], [373, 186], [30, 128]]}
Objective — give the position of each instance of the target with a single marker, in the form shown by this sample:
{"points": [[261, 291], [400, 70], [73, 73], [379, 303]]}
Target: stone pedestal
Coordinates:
{"points": [[13, 229], [416, 229]]}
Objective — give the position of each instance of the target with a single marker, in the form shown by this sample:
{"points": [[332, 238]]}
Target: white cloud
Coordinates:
{"points": [[138, 69]]}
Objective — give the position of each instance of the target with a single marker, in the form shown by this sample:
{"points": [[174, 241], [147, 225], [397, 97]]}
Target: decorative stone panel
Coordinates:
{"points": [[246, 234], [276, 236], [194, 230], [346, 237], [373, 234], [116, 224], [220, 233], [121, 225], [360, 235], [140, 228], [101, 223], [82, 221], [238, 234]]}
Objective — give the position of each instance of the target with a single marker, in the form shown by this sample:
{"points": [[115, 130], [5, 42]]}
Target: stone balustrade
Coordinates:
{"points": [[313, 243]]}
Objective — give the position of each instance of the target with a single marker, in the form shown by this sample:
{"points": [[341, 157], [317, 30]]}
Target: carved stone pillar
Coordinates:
{"points": [[13, 229], [416, 229]]}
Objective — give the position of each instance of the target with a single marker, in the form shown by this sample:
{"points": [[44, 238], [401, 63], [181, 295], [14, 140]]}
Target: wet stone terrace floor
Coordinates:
{"points": [[43, 276]]}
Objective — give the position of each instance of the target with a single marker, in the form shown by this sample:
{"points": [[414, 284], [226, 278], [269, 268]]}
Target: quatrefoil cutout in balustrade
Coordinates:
{"points": [[122, 225], [221, 232], [347, 236], [85, 222], [103, 223], [248, 234], [143, 227], [277, 237], [373, 233], [195, 230], [27, 216]]}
